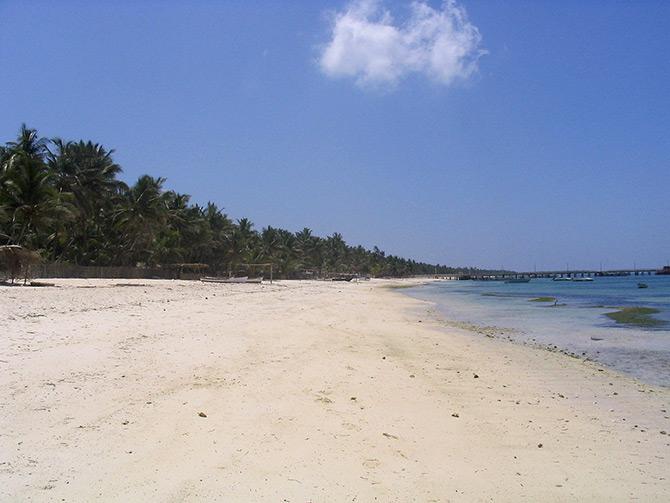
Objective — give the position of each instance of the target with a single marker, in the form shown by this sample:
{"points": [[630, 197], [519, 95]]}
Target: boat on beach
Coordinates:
{"points": [[234, 279], [344, 277]]}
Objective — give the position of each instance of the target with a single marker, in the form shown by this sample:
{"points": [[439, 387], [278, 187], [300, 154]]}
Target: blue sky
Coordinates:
{"points": [[545, 141]]}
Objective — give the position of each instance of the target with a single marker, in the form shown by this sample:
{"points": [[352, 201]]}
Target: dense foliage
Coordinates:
{"points": [[65, 199]]}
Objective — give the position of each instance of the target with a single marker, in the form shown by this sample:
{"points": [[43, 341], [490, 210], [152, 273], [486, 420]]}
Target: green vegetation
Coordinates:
{"points": [[638, 316], [64, 199], [543, 299]]}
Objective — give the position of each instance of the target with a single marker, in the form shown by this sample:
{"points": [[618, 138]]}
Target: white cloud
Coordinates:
{"points": [[367, 44]]}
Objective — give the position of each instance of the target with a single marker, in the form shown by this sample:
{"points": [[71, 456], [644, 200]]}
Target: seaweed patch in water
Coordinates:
{"points": [[638, 316], [402, 287], [543, 299]]}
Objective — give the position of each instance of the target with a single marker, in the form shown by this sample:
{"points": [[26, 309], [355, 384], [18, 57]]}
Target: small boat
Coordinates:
{"points": [[582, 280], [41, 283], [642, 285], [234, 279], [561, 278], [517, 280]]}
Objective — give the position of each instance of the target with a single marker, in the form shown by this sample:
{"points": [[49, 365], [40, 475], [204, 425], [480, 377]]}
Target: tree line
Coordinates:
{"points": [[65, 200]]}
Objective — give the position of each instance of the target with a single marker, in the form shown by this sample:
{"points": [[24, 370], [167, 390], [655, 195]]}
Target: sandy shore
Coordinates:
{"points": [[312, 391]]}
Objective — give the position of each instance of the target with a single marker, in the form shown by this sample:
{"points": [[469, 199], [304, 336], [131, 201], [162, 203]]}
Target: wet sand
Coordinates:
{"points": [[303, 391]]}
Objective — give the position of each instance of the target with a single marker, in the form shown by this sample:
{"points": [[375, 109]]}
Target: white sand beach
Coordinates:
{"points": [[128, 390]]}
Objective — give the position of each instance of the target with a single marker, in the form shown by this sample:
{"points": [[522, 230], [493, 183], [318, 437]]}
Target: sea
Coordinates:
{"points": [[574, 320]]}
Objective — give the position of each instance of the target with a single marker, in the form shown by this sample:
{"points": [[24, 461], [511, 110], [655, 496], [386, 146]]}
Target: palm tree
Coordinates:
{"points": [[187, 235], [306, 247], [241, 244], [219, 222], [4, 215], [288, 253], [28, 144], [269, 245], [88, 171], [335, 251], [142, 212], [65, 198], [4, 162], [30, 206], [221, 228], [33, 206]]}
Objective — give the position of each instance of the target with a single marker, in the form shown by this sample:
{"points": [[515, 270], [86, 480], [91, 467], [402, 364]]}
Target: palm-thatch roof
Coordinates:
{"points": [[17, 260]]}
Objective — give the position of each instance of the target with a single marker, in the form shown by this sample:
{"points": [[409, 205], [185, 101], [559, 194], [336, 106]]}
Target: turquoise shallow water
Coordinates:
{"points": [[577, 324]]}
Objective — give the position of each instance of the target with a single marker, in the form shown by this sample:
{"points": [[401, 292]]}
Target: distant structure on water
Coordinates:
{"points": [[574, 275]]}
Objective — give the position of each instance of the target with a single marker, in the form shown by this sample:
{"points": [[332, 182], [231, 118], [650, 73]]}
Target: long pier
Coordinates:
{"points": [[579, 273]]}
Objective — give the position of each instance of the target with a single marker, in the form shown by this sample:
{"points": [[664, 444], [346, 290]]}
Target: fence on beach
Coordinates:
{"points": [[55, 270]]}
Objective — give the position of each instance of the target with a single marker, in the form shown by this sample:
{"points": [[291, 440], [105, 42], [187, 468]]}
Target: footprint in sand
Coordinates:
{"points": [[371, 463], [350, 426], [321, 397]]}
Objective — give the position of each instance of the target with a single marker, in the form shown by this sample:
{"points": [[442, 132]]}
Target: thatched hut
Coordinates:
{"points": [[16, 262]]}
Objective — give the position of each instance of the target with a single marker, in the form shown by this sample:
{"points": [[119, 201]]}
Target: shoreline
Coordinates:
{"points": [[584, 332], [502, 334], [310, 390]]}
